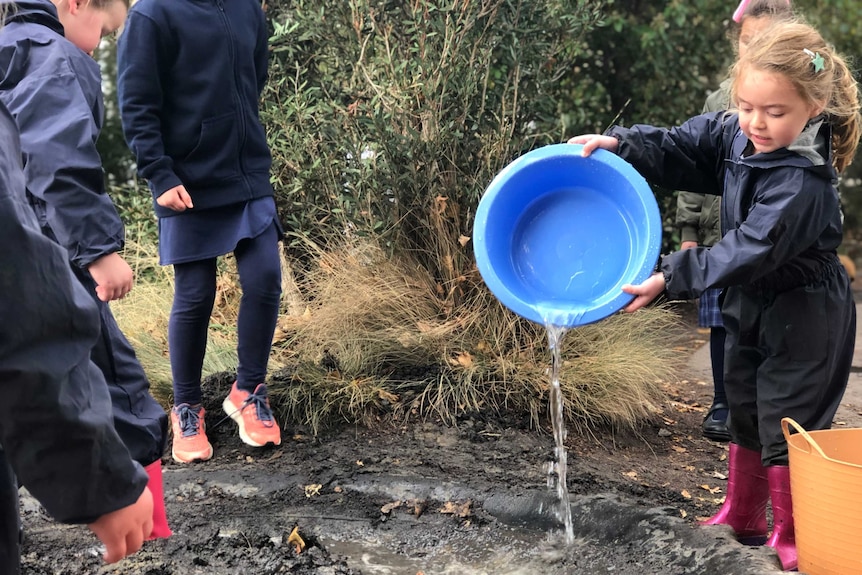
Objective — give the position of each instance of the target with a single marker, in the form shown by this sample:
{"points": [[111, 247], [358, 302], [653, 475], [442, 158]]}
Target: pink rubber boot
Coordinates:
{"points": [[160, 518], [783, 538], [744, 506]]}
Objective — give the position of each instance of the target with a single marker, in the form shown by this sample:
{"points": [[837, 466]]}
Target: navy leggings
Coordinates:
{"points": [[259, 269]]}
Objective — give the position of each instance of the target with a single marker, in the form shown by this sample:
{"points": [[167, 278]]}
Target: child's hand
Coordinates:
{"points": [[176, 199], [124, 531], [593, 141], [645, 292], [113, 276]]}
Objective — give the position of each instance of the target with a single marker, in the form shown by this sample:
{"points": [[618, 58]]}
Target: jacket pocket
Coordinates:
{"points": [[216, 155]]}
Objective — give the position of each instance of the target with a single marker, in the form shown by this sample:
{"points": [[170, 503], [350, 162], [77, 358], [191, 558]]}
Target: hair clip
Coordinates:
{"points": [[816, 60]]}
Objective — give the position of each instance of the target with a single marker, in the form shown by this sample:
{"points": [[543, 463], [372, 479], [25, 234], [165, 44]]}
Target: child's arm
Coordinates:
{"points": [[62, 166], [57, 430], [688, 157], [689, 206], [141, 56]]}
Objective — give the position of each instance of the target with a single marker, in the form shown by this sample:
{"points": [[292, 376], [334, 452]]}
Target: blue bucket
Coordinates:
{"points": [[556, 235]]}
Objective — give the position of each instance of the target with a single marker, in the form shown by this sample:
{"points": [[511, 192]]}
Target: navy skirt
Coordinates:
{"points": [[193, 236]]}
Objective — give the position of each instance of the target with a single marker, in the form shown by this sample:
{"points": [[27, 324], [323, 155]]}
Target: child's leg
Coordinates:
{"points": [[138, 418], [9, 551], [194, 297], [717, 340], [715, 423], [813, 332], [259, 268], [743, 358]]}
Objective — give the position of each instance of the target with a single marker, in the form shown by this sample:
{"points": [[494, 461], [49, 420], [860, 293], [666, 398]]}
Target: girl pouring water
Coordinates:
{"points": [[788, 308]]}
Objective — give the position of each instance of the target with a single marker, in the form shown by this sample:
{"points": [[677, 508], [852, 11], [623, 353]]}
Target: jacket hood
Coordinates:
{"points": [[33, 11], [812, 150]]}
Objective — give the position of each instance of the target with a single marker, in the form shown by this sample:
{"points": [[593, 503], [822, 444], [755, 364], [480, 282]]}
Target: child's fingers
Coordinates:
{"points": [[589, 141], [115, 548], [185, 198]]}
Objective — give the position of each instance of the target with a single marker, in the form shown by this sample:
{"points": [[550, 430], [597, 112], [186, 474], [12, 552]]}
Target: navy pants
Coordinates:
{"points": [[787, 354], [259, 267], [138, 418]]}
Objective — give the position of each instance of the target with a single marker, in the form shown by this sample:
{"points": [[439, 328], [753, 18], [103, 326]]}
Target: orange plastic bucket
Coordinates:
{"points": [[826, 488]]}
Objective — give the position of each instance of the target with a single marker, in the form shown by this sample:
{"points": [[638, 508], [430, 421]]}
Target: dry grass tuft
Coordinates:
{"points": [[374, 338]]}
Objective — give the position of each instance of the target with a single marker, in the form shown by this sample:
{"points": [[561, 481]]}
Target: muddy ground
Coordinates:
{"points": [[423, 498]]}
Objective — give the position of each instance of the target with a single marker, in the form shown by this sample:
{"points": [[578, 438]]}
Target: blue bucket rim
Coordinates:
{"points": [[593, 311]]}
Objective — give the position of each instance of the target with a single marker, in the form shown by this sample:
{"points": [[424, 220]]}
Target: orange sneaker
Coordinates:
{"points": [[190, 437], [252, 413]]}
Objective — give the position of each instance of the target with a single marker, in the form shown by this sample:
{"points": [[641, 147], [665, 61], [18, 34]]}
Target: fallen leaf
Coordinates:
{"points": [[460, 509], [719, 475], [679, 449], [313, 489], [632, 474], [418, 507], [463, 240], [464, 359], [387, 509], [683, 513], [296, 540], [685, 494], [359, 463], [712, 490]]}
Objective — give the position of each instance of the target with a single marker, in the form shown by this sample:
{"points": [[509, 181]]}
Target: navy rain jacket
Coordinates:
{"points": [[56, 425], [53, 90], [189, 100], [780, 213]]}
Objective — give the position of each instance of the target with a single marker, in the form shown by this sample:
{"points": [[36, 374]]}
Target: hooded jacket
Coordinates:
{"points": [[53, 90], [56, 423], [190, 75], [780, 213]]}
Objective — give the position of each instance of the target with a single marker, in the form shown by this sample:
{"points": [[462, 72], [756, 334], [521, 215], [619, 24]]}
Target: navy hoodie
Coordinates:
{"points": [[53, 90], [190, 74], [56, 422]]}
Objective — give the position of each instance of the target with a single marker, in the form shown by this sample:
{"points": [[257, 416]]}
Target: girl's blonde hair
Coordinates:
{"points": [[820, 75]]}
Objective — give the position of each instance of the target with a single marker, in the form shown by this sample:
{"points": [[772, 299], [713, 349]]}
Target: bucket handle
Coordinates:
{"points": [[787, 421]]}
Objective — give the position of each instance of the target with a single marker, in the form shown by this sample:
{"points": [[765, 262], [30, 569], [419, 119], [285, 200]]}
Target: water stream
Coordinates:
{"points": [[557, 469]]}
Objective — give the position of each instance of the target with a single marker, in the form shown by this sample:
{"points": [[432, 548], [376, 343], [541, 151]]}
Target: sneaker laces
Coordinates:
{"points": [[261, 405], [190, 420], [258, 399]]}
